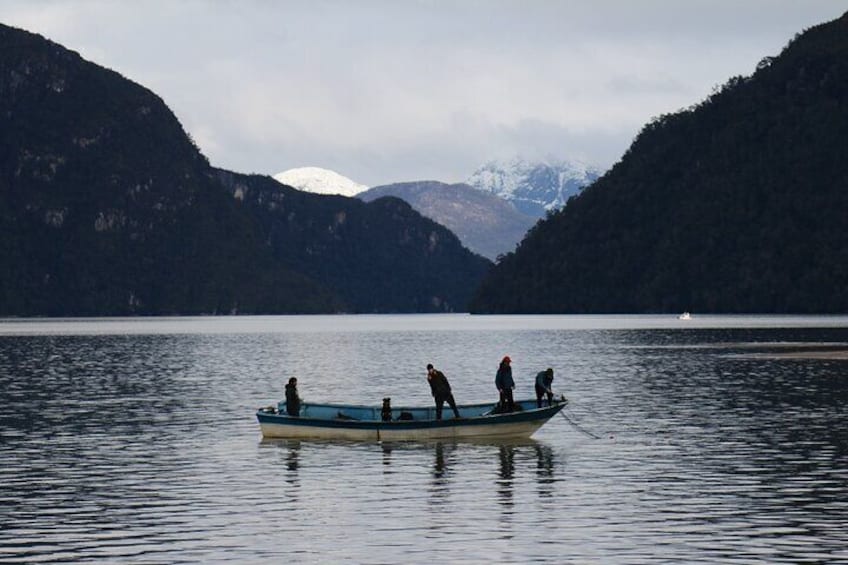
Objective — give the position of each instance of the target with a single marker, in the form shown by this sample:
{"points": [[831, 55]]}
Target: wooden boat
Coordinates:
{"points": [[365, 423]]}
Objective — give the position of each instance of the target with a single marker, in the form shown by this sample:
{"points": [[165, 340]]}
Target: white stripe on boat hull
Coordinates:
{"points": [[501, 430]]}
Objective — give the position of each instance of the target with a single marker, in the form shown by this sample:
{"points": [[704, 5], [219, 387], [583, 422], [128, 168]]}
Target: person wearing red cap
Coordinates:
{"points": [[505, 384]]}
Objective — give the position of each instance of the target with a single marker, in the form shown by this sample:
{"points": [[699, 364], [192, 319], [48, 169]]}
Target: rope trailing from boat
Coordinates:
{"points": [[577, 426]]}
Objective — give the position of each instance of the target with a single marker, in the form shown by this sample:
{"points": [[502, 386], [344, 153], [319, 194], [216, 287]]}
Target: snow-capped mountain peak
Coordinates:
{"points": [[534, 187], [319, 181]]}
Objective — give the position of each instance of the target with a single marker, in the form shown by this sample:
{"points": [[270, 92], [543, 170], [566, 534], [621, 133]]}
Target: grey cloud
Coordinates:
{"points": [[383, 91]]}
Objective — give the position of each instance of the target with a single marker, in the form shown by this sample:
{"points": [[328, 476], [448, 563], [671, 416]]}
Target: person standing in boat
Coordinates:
{"points": [[505, 384], [292, 398], [544, 380], [441, 390]]}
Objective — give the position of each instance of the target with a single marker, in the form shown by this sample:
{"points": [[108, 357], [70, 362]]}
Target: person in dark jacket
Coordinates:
{"points": [[292, 398], [544, 380], [505, 384], [441, 390]]}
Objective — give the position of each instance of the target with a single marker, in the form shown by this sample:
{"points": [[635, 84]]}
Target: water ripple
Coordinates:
{"points": [[682, 445]]}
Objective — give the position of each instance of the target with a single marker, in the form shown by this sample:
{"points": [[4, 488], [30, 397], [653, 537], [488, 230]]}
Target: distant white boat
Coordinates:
{"points": [[685, 316]]}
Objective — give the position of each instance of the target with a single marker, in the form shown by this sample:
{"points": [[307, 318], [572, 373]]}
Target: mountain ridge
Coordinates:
{"points": [[534, 187], [735, 205], [108, 208], [485, 223]]}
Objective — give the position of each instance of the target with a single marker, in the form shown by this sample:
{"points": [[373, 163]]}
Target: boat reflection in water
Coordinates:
{"points": [[508, 463]]}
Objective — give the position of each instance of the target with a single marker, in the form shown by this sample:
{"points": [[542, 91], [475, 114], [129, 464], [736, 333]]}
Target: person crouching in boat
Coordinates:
{"points": [[505, 384], [441, 390], [544, 380], [292, 398]]}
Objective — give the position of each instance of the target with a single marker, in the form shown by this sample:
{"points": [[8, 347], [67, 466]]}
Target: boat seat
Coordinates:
{"points": [[342, 416]]}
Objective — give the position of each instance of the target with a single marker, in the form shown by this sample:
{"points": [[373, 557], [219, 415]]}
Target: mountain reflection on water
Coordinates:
{"points": [[136, 441]]}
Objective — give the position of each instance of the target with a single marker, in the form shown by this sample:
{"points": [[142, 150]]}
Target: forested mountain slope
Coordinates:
{"points": [[738, 204], [108, 208]]}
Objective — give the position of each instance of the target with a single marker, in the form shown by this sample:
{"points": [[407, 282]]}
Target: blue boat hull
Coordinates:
{"points": [[363, 423]]}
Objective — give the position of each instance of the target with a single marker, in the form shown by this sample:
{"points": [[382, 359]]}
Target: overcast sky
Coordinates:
{"points": [[400, 90]]}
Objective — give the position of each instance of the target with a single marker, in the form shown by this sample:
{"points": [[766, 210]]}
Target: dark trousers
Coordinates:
{"points": [[507, 403], [540, 393], [293, 408], [440, 402]]}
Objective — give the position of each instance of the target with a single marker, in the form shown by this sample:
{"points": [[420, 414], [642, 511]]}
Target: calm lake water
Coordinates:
{"points": [[716, 440]]}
